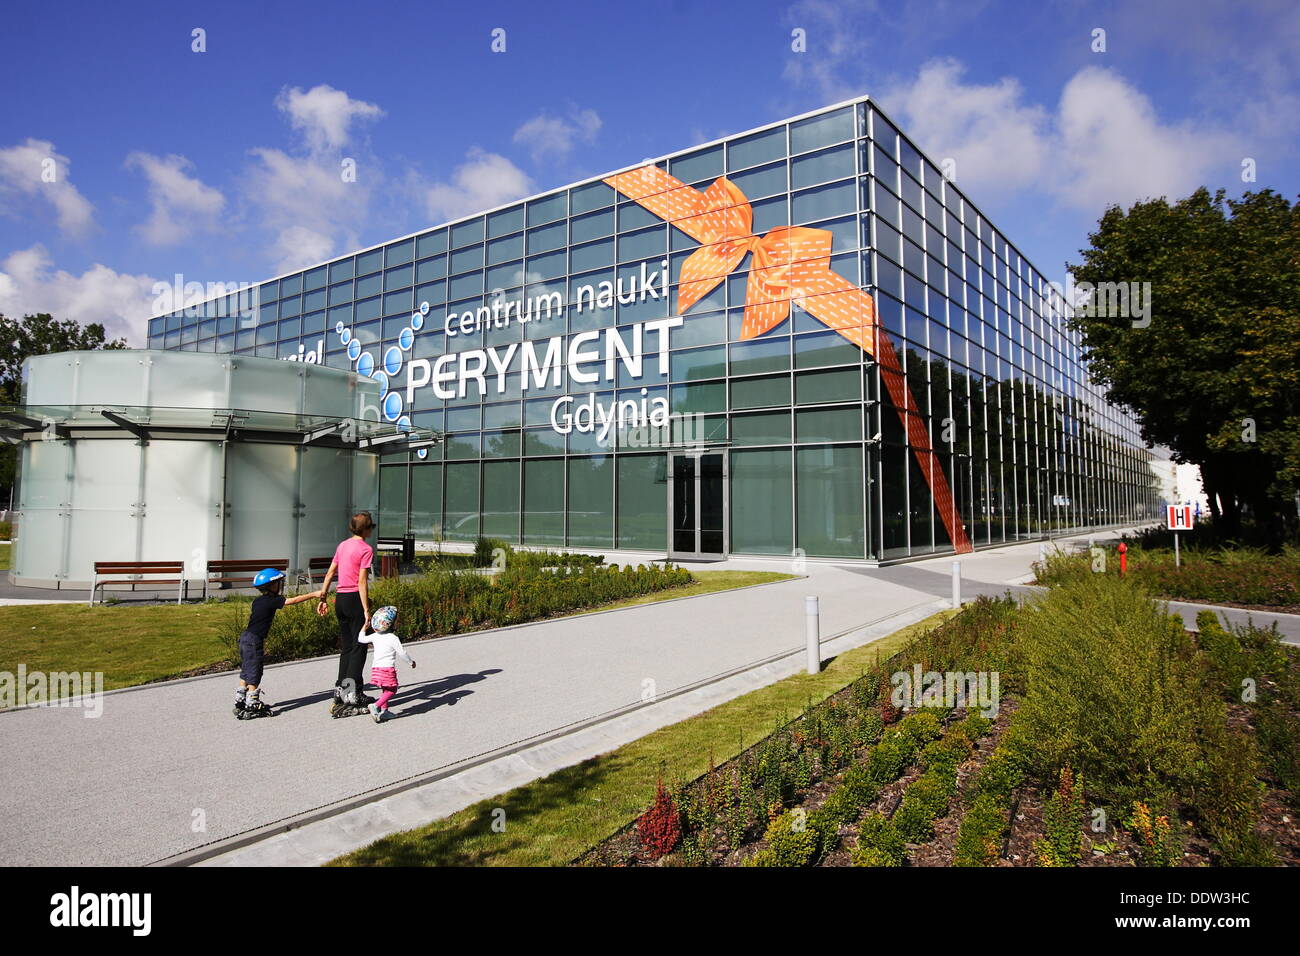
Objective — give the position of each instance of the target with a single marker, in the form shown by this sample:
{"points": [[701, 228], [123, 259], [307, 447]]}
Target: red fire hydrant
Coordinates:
{"points": [[1123, 558]]}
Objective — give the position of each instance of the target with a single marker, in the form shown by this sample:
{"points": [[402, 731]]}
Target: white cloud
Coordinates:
{"points": [[999, 142], [181, 204], [324, 115], [25, 169], [305, 201], [1115, 149], [121, 302], [484, 180], [1103, 144], [550, 137], [306, 204]]}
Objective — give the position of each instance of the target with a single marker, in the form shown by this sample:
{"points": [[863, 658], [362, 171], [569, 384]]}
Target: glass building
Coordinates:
{"points": [[800, 339]]}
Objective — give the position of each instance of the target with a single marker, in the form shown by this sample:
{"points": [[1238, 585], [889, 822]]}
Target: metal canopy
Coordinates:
{"points": [[36, 422]]}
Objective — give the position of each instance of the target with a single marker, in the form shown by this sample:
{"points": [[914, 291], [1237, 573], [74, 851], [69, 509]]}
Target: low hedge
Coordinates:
{"points": [[1221, 576], [442, 602]]}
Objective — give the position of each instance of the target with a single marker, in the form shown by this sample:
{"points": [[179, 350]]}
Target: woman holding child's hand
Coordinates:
{"points": [[351, 563]]}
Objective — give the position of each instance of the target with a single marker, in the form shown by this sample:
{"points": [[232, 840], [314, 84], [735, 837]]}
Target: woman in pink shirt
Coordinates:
{"points": [[352, 607]]}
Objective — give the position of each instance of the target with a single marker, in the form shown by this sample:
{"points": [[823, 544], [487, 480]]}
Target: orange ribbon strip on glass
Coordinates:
{"points": [[789, 265]]}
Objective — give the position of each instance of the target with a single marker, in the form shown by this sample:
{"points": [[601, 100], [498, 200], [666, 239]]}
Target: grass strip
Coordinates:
{"points": [[555, 819]]}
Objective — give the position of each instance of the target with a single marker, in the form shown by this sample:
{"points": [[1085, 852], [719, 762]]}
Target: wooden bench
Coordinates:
{"points": [[316, 566], [405, 544], [239, 571], [137, 570]]}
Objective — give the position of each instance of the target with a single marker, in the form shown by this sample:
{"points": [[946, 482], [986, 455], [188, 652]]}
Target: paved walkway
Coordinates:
{"points": [[167, 769]]}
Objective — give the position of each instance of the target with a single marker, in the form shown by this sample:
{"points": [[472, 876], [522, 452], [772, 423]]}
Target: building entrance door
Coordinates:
{"points": [[697, 505]]}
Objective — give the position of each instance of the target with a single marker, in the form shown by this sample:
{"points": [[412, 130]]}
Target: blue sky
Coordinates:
{"points": [[223, 165]]}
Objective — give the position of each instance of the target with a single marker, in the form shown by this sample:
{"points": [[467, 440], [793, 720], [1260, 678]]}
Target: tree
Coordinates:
{"points": [[38, 334], [1215, 375]]}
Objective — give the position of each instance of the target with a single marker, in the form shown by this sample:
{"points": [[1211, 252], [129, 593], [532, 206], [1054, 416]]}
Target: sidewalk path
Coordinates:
{"points": [[167, 769]]}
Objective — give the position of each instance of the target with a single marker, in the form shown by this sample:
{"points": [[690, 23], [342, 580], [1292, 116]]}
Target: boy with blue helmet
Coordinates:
{"points": [[252, 642]]}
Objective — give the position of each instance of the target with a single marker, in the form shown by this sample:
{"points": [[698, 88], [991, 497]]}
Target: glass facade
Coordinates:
{"points": [[978, 400]]}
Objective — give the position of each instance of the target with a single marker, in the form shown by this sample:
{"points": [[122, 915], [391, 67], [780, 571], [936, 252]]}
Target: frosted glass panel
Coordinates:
{"points": [[324, 395], [43, 489], [262, 384], [182, 484], [177, 379], [107, 378], [104, 522], [262, 485], [52, 385], [325, 513]]}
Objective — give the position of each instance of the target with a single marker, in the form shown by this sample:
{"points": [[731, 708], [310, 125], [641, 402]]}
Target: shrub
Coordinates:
{"points": [[1226, 797], [485, 551], [659, 827], [983, 829], [1115, 690], [879, 843], [1157, 839], [798, 839], [1062, 844], [1228, 661], [925, 800]]}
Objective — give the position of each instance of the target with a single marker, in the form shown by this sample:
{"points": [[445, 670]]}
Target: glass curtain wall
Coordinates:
{"points": [[820, 456]]}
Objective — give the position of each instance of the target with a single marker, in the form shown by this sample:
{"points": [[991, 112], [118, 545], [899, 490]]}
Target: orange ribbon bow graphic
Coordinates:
{"points": [[789, 264]]}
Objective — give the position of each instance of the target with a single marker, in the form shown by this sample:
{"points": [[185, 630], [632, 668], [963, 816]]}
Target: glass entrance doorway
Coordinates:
{"points": [[697, 504]]}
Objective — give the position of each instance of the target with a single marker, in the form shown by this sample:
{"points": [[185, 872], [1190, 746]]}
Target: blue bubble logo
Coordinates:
{"points": [[390, 401], [393, 360]]}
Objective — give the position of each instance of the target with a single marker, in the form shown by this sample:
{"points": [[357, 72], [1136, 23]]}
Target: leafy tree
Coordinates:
{"points": [[1215, 375], [38, 334]]}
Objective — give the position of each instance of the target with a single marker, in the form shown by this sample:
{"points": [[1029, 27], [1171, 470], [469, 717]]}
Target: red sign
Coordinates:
{"points": [[1180, 517]]}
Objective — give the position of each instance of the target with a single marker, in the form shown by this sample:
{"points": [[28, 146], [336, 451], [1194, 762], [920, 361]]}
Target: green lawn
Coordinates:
{"points": [[552, 821], [4, 555], [135, 644], [130, 645]]}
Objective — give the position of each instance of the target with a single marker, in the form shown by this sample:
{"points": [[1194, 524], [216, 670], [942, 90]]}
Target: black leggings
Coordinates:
{"points": [[352, 654]]}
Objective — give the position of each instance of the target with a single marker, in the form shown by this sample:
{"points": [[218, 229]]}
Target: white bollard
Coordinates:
{"points": [[956, 584], [812, 622], [1042, 552]]}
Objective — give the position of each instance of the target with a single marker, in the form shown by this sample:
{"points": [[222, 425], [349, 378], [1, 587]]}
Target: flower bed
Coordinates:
{"points": [[1118, 746]]}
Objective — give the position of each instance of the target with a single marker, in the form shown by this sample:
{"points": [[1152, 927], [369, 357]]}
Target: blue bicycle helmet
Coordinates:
{"points": [[267, 576]]}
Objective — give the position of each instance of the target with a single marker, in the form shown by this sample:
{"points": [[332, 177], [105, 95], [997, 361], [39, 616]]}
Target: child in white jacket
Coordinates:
{"points": [[383, 668]]}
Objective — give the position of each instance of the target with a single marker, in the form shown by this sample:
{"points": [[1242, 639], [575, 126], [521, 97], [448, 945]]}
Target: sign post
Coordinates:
{"points": [[1179, 518]]}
